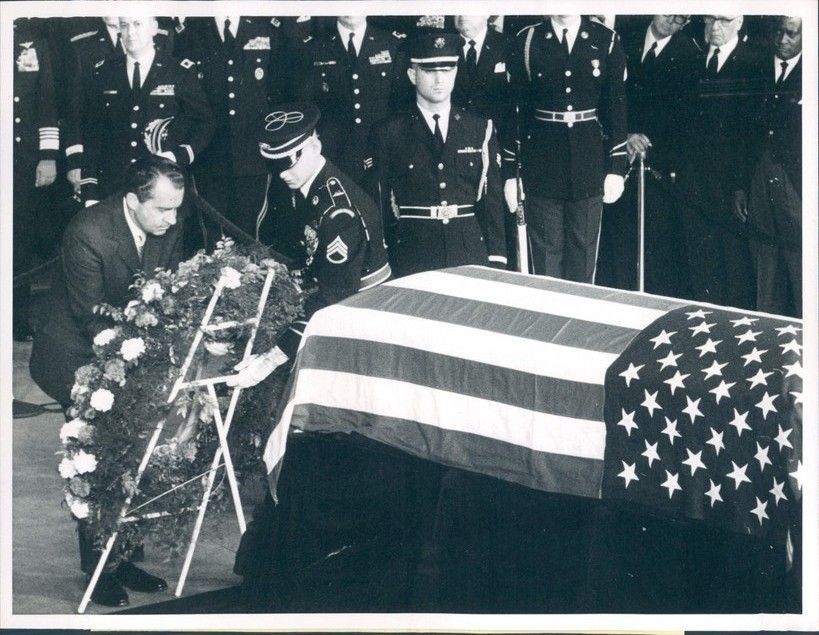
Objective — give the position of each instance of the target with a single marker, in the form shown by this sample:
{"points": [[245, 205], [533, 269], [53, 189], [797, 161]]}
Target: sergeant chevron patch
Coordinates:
{"points": [[337, 251]]}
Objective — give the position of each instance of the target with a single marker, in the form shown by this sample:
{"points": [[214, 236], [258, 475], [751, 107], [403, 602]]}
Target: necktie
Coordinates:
{"points": [[566, 41], [136, 82], [140, 245], [471, 59], [713, 64], [439, 137], [351, 49], [781, 77], [118, 45], [228, 35], [651, 54]]}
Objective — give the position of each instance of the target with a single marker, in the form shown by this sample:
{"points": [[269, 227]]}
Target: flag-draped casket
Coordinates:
{"points": [[566, 388]]}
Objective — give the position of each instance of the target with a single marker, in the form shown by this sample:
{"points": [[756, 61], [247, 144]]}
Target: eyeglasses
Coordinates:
{"points": [[722, 21], [678, 19]]}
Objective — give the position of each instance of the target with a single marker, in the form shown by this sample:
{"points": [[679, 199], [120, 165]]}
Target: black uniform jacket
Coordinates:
{"points": [[783, 120], [406, 170], [343, 241], [98, 261], [562, 161]]}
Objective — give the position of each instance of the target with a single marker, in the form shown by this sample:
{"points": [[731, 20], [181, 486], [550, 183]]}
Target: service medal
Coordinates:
{"points": [[258, 73]]}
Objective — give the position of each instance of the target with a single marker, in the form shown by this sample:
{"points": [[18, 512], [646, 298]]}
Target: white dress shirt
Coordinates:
{"points": [[137, 233], [113, 34], [443, 120], [650, 39], [724, 51], [790, 64], [358, 36], [220, 24], [573, 27], [478, 39], [145, 63], [304, 189]]}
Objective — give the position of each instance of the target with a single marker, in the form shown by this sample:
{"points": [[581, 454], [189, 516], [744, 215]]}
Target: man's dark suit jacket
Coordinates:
{"points": [[97, 264]]}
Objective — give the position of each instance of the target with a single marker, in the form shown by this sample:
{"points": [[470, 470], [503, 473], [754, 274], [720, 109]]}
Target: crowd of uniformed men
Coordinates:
{"points": [[438, 120]]}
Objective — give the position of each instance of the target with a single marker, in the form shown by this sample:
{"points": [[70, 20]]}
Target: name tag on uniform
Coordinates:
{"points": [[164, 90], [324, 63], [261, 43], [500, 67], [382, 57], [468, 150]]}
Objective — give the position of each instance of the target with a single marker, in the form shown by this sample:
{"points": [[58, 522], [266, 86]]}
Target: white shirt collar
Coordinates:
{"points": [[113, 33], [358, 37], [145, 62], [443, 120], [573, 27], [650, 39], [479, 39], [724, 51], [304, 189], [220, 24], [137, 232], [791, 63]]}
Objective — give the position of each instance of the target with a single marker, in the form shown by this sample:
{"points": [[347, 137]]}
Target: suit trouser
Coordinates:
{"points": [[564, 236], [775, 208]]}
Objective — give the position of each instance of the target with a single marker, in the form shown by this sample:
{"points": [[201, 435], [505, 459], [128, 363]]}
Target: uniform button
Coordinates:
{"points": [[16, 99], [355, 75], [161, 105], [444, 203], [230, 62], [230, 78], [440, 166], [258, 60], [570, 124], [133, 124], [442, 186], [133, 160], [133, 144], [568, 89], [356, 91], [358, 119], [17, 120], [770, 132], [357, 106], [17, 139], [568, 73], [136, 108], [569, 108], [231, 95], [540, 74], [232, 112], [776, 96]]}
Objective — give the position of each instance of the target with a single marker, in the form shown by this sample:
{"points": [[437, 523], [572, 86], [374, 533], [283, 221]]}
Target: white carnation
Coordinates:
{"points": [[84, 462], [78, 507], [66, 468], [152, 291], [218, 349], [102, 399], [130, 310], [231, 278], [72, 429], [104, 337], [132, 348], [77, 390]]}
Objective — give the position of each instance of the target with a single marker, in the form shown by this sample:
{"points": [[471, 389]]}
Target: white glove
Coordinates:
{"points": [[168, 155], [510, 194], [256, 367], [91, 202], [613, 188]]}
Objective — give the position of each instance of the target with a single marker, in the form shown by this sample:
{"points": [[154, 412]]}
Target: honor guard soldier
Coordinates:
{"points": [[36, 146], [352, 75], [237, 61], [130, 95], [568, 77], [441, 167]]}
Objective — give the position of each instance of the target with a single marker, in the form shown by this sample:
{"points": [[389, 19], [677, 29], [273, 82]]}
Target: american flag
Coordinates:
{"points": [[513, 376]]}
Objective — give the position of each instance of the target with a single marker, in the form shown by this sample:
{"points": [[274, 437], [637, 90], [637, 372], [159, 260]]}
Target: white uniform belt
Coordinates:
{"points": [[435, 212], [567, 117]]}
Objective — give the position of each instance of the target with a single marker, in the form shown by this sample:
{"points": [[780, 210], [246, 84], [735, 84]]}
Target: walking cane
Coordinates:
{"points": [[641, 220]]}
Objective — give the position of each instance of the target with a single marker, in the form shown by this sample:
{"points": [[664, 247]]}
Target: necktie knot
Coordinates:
{"points": [[351, 52], [566, 41], [784, 65], [227, 34], [471, 58], [136, 80], [438, 134], [472, 44]]}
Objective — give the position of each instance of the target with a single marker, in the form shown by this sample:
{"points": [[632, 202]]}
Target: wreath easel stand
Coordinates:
{"points": [[222, 428]]}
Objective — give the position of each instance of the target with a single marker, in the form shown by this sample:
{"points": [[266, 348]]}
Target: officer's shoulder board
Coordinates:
{"points": [[83, 36], [341, 200], [527, 27]]}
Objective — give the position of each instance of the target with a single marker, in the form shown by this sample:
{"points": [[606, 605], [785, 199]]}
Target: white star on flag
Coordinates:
{"points": [[676, 381], [662, 338], [739, 422], [788, 330], [792, 346], [704, 327], [697, 314], [745, 321], [631, 373], [671, 483], [694, 461], [748, 336], [716, 441], [671, 430], [797, 396], [692, 408], [759, 510], [722, 390], [713, 493], [714, 369], [759, 378], [650, 402], [627, 421], [766, 405], [628, 474], [709, 347], [798, 474], [738, 474], [782, 438], [754, 356], [669, 360], [793, 369], [762, 456], [776, 490], [650, 452]]}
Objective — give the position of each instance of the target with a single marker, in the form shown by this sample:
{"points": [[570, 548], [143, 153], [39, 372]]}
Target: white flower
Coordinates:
{"points": [[77, 506], [104, 337], [77, 390], [102, 399], [152, 291], [66, 468], [84, 462], [130, 309], [218, 348], [72, 430], [231, 278], [132, 348]]}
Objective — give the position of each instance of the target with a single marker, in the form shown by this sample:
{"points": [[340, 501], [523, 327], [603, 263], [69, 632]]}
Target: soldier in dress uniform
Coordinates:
{"points": [[36, 146], [237, 60], [131, 94], [353, 75], [440, 166], [569, 77]]}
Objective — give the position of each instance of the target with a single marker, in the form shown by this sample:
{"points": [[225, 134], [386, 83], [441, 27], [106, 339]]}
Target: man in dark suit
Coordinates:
{"points": [[103, 248], [715, 174], [775, 205]]}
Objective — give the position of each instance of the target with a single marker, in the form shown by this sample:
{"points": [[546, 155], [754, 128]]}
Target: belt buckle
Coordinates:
{"points": [[569, 117], [445, 212]]}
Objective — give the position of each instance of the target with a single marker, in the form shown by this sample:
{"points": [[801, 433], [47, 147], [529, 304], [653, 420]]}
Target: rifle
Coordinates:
{"points": [[520, 211]]}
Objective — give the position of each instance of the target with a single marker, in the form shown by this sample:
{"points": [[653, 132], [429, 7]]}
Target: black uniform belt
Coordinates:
{"points": [[442, 213], [569, 117]]}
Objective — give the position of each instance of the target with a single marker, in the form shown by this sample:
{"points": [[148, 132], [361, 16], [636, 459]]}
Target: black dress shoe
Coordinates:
{"points": [[109, 592], [134, 578]]}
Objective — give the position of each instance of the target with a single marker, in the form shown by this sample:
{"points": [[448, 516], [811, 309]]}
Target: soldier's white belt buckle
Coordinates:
{"points": [[445, 212], [569, 117]]}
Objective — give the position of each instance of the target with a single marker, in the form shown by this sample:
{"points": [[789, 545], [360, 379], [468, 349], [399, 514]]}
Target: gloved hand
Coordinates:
{"points": [[613, 188], [637, 144], [256, 367], [740, 206], [46, 173], [510, 194]]}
